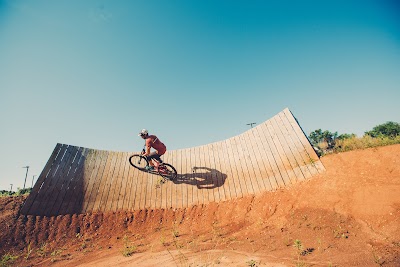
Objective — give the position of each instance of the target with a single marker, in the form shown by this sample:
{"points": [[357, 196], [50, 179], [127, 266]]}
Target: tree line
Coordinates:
{"points": [[325, 142]]}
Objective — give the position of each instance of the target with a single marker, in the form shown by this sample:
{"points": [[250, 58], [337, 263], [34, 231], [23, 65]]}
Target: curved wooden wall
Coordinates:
{"points": [[272, 155]]}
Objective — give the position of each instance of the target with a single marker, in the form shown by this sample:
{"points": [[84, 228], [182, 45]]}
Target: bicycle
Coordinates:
{"points": [[166, 170]]}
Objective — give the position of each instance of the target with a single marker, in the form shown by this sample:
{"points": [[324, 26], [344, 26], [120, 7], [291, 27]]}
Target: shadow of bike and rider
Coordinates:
{"points": [[202, 177]]}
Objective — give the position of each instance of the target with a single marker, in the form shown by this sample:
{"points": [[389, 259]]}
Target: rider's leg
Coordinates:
{"points": [[154, 159]]}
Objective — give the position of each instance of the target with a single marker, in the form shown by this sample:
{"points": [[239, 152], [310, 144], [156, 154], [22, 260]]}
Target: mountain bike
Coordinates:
{"points": [[140, 162]]}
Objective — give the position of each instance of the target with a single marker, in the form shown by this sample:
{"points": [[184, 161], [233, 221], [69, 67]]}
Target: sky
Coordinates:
{"points": [[94, 73]]}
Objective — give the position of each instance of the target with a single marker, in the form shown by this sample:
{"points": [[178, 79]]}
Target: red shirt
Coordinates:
{"points": [[154, 142]]}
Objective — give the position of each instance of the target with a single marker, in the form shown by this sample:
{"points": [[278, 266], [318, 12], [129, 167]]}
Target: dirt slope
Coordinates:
{"points": [[348, 216]]}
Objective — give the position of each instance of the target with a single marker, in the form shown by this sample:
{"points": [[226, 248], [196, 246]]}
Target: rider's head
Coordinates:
{"points": [[143, 133]]}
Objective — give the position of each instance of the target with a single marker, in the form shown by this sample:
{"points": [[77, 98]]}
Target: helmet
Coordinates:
{"points": [[143, 132]]}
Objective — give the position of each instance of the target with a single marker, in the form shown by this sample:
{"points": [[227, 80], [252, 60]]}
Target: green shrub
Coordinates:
{"points": [[389, 129]]}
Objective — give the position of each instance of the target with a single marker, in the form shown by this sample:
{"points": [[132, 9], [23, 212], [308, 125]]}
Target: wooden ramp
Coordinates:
{"points": [[272, 155]]}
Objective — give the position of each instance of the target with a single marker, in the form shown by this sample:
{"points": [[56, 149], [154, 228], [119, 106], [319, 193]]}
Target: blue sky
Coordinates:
{"points": [[94, 73]]}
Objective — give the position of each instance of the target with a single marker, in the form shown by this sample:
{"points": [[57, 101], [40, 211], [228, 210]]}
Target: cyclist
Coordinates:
{"points": [[152, 141]]}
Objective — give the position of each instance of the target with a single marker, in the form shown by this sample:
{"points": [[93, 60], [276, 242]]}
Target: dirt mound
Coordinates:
{"points": [[348, 216]]}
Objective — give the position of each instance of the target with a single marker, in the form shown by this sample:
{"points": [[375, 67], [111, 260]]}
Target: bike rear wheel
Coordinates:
{"points": [[167, 171], [138, 161]]}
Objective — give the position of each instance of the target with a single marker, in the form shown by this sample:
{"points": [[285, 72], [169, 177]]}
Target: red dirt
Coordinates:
{"points": [[348, 216]]}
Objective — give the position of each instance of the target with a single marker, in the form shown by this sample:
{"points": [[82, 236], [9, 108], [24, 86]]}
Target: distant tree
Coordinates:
{"points": [[319, 136], [389, 129], [345, 136]]}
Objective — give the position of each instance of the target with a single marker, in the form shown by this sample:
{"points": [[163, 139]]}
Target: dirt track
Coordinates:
{"points": [[349, 216]]}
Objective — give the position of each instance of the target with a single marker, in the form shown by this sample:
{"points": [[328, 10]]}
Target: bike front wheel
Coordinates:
{"points": [[167, 171], [138, 161]]}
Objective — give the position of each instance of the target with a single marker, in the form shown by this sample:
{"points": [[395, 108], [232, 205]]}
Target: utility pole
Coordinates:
{"points": [[251, 124], [11, 188], [33, 178], [26, 175]]}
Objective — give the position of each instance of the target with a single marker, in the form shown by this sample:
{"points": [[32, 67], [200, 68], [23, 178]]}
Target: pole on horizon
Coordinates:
{"points": [[33, 178], [26, 175], [251, 124], [11, 188]]}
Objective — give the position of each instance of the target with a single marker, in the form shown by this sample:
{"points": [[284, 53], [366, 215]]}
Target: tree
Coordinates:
{"points": [[389, 129], [319, 136], [346, 136]]}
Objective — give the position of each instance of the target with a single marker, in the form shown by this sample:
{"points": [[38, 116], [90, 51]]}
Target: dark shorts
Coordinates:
{"points": [[154, 155]]}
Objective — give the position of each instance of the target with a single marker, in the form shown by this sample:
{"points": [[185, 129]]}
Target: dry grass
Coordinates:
{"points": [[355, 143]]}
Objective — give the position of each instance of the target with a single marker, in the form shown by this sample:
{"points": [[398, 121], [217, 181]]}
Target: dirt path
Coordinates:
{"points": [[348, 216]]}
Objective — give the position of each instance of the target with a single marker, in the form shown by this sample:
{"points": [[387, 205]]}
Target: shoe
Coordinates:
{"points": [[149, 168]]}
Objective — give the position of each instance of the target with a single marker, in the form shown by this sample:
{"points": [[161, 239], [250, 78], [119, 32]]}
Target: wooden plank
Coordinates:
{"points": [[307, 161], [241, 165], [182, 187], [129, 201], [108, 193], [172, 186], [284, 151], [46, 170], [219, 176], [125, 186], [226, 171], [240, 189], [101, 201], [164, 187], [150, 188], [255, 157], [279, 155], [114, 195], [103, 182], [48, 182], [313, 157], [267, 172], [269, 147], [207, 178], [79, 194], [191, 176], [200, 176], [52, 191], [95, 181], [65, 198], [215, 195], [295, 146], [185, 175], [139, 178], [249, 160]]}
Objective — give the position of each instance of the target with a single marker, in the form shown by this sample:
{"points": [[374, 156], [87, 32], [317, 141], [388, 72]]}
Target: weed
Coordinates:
{"points": [[7, 260], [298, 246], [252, 263], [129, 249], [56, 252], [42, 250], [378, 260], [28, 251], [340, 233], [160, 182], [175, 231]]}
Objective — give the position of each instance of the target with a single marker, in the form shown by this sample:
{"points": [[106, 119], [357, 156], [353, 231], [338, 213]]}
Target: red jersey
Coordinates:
{"points": [[154, 142]]}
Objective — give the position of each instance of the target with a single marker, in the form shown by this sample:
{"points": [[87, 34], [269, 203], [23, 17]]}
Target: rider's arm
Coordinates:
{"points": [[147, 150]]}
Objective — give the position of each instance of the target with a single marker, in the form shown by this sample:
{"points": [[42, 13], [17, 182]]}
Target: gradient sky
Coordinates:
{"points": [[94, 73]]}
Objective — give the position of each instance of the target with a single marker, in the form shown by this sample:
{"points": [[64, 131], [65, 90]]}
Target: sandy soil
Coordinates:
{"points": [[348, 216]]}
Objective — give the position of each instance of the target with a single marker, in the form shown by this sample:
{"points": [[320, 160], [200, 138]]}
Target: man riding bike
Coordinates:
{"points": [[152, 141]]}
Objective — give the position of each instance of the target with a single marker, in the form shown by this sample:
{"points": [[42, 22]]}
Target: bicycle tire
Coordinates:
{"points": [[167, 171], [138, 161]]}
